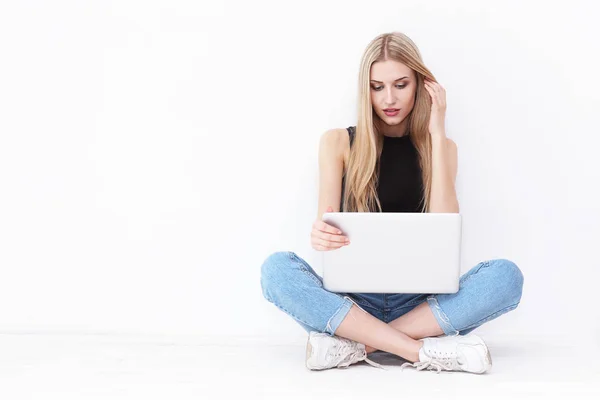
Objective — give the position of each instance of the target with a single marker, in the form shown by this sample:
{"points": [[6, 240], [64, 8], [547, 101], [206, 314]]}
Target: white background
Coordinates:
{"points": [[154, 153]]}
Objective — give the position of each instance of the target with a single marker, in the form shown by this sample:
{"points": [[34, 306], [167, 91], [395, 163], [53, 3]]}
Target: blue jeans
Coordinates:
{"points": [[488, 290]]}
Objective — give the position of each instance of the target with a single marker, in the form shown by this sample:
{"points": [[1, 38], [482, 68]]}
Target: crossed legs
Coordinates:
{"points": [[399, 337]]}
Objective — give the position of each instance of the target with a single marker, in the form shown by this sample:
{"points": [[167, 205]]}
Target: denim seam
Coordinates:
{"points": [[369, 306], [305, 270], [409, 304], [441, 317], [499, 312], [483, 264], [412, 304], [362, 302]]}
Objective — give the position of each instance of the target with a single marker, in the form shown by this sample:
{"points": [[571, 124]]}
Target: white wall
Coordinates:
{"points": [[154, 153]]}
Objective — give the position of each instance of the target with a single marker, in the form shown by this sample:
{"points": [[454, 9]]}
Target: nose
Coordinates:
{"points": [[389, 97]]}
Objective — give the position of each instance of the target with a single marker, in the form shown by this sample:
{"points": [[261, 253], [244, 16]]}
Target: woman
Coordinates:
{"points": [[396, 159]]}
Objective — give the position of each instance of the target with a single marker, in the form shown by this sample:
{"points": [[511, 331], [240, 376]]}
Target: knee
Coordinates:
{"points": [[273, 270], [509, 279]]}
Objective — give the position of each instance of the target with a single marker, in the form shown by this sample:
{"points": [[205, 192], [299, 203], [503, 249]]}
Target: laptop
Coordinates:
{"points": [[394, 253]]}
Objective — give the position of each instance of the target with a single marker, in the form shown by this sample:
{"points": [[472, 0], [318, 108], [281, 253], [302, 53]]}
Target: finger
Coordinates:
{"points": [[330, 237], [325, 227], [434, 85], [328, 244], [434, 92], [323, 243], [333, 238], [327, 237]]}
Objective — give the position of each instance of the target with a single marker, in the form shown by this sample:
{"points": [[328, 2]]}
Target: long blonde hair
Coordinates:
{"points": [[362, 173]]}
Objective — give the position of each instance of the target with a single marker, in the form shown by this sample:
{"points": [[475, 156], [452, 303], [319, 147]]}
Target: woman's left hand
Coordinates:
{"points": [[438, 107]]}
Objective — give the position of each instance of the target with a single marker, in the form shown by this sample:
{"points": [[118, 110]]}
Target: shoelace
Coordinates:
{"points": [[354, 356], [436, 362]]}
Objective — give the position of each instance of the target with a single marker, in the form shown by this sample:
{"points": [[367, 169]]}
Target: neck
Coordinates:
{"points": [[397, 130]]}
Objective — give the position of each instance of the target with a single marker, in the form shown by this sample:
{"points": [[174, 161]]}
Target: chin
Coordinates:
{"points": [[391, 120]]}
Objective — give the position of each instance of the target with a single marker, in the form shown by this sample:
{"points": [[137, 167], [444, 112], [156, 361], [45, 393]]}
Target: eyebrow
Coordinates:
{"points": [[399, 79]]}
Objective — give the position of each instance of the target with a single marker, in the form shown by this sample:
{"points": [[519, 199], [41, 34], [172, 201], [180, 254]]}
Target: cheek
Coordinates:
{"points": [[408, 97], [374, 98], [408, 101]]}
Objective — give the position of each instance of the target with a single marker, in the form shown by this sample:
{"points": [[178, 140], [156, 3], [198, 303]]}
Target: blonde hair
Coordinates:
{"points": [[362, 173]]}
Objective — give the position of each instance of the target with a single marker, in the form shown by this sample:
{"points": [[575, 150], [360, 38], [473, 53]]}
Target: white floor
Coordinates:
{"points": [[37, 366]]}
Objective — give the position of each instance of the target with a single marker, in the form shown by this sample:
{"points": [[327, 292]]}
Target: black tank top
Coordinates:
{"points": [[400, 181]]}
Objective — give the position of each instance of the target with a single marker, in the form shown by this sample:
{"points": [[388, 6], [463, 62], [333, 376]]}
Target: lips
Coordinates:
{"points": [[390, 109]]}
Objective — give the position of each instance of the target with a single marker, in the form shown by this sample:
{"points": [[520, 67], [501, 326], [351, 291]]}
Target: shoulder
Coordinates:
{"points": [[336, 136], [335, 141]]}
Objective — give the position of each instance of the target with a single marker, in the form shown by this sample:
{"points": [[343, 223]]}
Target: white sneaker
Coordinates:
{"points": [[324, 351], [454, 353]]}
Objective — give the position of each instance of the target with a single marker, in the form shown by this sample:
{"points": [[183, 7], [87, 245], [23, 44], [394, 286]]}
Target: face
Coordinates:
{"points": [[393, 86]]}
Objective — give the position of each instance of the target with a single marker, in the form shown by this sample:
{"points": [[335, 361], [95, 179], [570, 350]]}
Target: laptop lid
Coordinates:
{"points": [[394, 253]]}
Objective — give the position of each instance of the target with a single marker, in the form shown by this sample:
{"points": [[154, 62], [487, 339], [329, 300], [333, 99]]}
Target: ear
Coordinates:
{"points": [[452, 158]]}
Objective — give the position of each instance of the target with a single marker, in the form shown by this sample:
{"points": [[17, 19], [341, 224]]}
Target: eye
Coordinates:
{"points": [[378, 88]]}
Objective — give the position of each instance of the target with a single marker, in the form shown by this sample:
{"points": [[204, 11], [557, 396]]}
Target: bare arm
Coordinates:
{"points": [[331, 165], [444, 168]]}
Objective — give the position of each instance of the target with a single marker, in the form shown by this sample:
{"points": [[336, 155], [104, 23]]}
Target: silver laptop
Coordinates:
{"points": [[394, 253]]}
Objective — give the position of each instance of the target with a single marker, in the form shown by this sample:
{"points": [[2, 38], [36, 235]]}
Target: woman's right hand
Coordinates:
{"points": [[325, 237]]}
